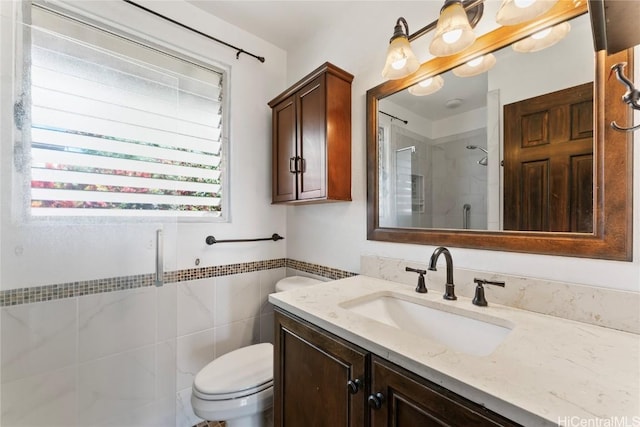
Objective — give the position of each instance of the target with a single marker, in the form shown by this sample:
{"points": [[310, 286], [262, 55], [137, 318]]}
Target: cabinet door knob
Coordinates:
{"points": [[354, 385], [292, 164], [375, 400]]}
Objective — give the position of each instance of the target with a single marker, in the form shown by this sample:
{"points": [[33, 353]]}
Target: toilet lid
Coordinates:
{"points": [[295, 282], [242, 369]]}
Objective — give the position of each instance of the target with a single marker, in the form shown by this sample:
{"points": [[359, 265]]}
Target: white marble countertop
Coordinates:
{"points": [[547, 371]]}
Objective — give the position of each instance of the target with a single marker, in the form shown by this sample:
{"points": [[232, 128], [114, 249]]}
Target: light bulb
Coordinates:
{"points": [[427, 82], [453, 31], [514, 12], [475, 66], [451, 37], [523, 3], [427, 86], [541, 34], [400, 60], [475, 62], [542, 39], [399, 63]]}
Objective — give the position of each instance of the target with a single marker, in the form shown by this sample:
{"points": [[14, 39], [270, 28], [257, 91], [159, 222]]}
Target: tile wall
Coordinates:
{"points": [[127, 357]]}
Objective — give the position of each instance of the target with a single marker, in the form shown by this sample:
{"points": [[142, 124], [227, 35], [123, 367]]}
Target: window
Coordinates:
{"points": [[120, 129]]}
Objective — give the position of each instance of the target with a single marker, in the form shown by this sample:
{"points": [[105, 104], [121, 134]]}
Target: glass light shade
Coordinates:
{"points": [[427, 86], [514, 12], [476, 66], [543, 39], [453, 32], [401, 61]]}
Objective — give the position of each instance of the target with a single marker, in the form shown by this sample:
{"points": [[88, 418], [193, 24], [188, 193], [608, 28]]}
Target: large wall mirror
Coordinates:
{"points": [[518, 158]]}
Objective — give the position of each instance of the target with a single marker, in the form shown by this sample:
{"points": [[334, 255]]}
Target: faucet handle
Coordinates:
{"points": [[421, 288], [479, 298]]}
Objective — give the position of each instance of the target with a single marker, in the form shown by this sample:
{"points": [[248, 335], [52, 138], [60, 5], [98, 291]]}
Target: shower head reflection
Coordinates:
{"points": [[483, 161]]}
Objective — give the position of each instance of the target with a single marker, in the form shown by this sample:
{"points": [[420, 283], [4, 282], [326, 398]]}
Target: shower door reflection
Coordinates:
{"points": [[429, 181]]}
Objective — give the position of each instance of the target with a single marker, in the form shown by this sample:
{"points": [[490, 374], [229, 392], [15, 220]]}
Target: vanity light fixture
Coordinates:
{"points": [[543, 39], [401, 61], [514, 12], [476, 66], [427, 86], [453, 31]]}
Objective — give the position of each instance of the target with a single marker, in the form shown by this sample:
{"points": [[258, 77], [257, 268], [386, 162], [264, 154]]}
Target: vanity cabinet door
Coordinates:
{"points": [[409, 401], [315, 377]]}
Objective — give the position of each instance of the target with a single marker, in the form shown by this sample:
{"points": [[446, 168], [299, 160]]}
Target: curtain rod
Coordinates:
{"points": [[173, 21], [394, 117]]}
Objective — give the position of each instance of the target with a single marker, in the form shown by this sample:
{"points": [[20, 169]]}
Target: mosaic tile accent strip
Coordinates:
{"points": [[75, 289], [319, 270]]}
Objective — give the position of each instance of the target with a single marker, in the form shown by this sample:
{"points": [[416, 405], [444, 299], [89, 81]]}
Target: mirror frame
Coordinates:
{"points": [[613, 160]]}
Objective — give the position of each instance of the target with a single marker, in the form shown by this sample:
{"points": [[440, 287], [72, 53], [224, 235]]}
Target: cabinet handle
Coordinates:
{"points": [[354, 385], [292, 165], [375, 400]]}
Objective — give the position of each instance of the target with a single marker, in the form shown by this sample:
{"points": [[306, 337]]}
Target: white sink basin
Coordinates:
{"points": [[476, 336]]}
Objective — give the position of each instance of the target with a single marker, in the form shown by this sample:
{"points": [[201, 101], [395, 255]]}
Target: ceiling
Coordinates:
{"points": [[288, 24]]}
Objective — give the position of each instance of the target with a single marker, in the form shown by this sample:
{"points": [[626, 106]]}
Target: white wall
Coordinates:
{"points": [[45, 253], [335, 234], [129, 357]]}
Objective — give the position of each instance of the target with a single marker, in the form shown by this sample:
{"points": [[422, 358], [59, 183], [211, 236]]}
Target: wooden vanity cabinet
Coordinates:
{"points": [[318, 378], [311, 138], [314, 373]]}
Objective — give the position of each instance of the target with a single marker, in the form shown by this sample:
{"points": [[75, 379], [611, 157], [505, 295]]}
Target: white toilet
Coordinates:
{"points": [[238, 386]]}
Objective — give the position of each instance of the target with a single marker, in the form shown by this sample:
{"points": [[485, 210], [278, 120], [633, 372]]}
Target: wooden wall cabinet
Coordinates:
{"points": [[311, 138], [314, 385]]}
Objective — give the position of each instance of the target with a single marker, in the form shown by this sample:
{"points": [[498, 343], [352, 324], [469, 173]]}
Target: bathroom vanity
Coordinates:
{"points": [[319, 373], [340, 355]]}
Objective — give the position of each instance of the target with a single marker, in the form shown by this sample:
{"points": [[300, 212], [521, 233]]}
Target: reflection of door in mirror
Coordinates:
{"points": [[548, 163]]}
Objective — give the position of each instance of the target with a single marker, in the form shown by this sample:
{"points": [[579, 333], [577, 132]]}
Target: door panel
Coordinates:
{"points": [[284, 136], [582, 198], [311, 376], [410, 401], [546, 187], [535, 195], [311, 113]]}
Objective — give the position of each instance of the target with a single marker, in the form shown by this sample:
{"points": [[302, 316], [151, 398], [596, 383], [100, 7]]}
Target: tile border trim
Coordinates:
{"points": [[43, 293]]}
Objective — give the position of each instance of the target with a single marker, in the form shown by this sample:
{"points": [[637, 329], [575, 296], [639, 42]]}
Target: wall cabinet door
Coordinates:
{"points": [[311, 124], [406, 400], [284, 149], [315, 377]]}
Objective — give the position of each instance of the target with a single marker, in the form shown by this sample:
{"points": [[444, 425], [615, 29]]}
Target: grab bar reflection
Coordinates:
{"points": [[466, 216]]}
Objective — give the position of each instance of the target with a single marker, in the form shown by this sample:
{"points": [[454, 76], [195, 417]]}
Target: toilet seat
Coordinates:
{"points": [[240, 373], [235, 395]]}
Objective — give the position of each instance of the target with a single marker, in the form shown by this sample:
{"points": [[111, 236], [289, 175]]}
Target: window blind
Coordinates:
{"points": [[118, 128]]}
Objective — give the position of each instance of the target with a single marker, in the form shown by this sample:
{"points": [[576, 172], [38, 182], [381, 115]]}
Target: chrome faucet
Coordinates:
{"points": [[449, 292]]}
